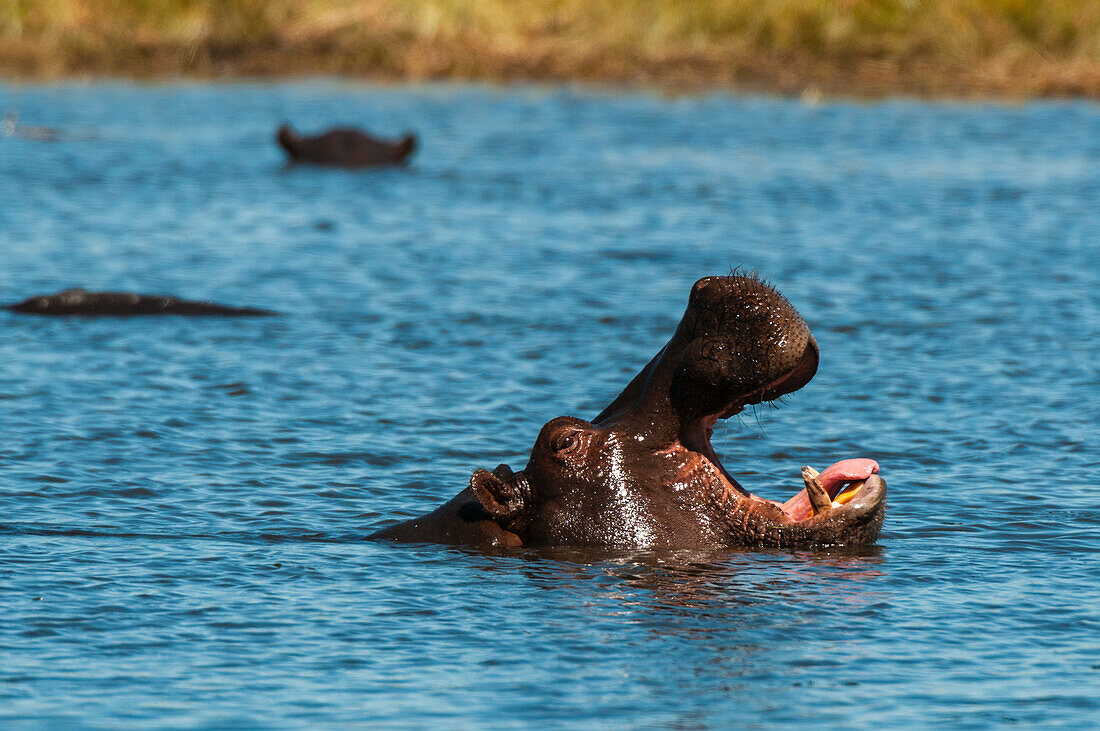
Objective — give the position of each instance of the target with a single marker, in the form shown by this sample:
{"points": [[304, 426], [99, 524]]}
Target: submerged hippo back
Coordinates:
{"points": [[126, 304]]}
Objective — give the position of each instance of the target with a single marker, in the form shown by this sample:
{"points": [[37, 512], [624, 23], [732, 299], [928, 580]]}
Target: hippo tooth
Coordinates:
{"points": [[819, 498]]}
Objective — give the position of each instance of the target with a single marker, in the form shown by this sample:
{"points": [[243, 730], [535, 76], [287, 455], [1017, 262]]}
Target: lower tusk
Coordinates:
{"points": [[819, 498]]}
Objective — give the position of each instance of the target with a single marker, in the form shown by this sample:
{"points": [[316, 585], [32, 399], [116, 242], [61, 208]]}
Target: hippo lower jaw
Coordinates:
{"points": [[853, 516], [854, 519]]}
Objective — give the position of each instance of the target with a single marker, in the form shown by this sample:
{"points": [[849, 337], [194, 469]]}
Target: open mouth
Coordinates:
{"points": [[833, 488]]}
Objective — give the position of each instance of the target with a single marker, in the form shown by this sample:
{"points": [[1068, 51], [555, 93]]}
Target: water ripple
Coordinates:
{"points": [[184, 502]]}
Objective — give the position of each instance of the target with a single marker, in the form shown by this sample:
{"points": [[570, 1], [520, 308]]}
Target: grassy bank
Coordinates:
{"points": [[967, 47]]}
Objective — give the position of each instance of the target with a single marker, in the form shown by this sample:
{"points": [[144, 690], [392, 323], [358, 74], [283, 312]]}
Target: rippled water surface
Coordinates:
{"points": [[184, 501]]}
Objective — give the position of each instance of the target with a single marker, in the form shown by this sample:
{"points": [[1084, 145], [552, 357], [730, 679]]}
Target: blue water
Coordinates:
{"points": [[183, 501]]}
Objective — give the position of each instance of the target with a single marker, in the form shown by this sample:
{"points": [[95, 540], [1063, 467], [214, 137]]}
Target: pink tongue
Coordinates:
{"points": [[846, 470], [832, 479]]}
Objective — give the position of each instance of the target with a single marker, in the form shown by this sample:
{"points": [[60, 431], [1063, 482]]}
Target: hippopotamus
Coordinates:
{"points": [[643, 472], [345, 147], [123, 304]]}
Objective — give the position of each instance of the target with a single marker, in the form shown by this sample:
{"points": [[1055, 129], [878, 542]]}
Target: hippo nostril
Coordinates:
{"points": [[702, 284], [699, 291]]}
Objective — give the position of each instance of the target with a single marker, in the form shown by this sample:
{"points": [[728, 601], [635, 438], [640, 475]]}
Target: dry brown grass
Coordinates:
{"points": [[996, 47]]}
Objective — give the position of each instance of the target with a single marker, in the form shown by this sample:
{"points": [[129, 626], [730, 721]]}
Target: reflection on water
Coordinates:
{"points": [[720, 580], [184, 502]]}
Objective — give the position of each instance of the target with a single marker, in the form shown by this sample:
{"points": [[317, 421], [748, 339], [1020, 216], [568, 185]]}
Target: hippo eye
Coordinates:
{"points": [[565, 442]]}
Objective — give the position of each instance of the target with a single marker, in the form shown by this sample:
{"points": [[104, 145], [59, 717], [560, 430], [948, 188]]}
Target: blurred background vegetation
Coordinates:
{"points": [[968, 47]]}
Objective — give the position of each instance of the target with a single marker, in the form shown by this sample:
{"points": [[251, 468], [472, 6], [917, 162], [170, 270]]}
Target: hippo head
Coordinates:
{"points": [[643, 472]]}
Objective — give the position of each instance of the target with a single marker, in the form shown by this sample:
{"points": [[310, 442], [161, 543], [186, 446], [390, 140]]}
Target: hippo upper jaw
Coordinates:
{"points": [[794, 379]]}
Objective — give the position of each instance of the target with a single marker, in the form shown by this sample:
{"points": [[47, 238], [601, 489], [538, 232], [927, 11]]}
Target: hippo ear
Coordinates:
{"points": [[498, 492]]}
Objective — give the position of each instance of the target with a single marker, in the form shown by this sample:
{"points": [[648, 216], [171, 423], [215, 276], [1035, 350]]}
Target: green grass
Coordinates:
{"points": [[858, 46]]}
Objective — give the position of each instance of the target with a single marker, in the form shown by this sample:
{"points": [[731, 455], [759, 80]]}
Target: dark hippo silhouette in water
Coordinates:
{"points": [[643, 472], [124, 304], [345, 147]]}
